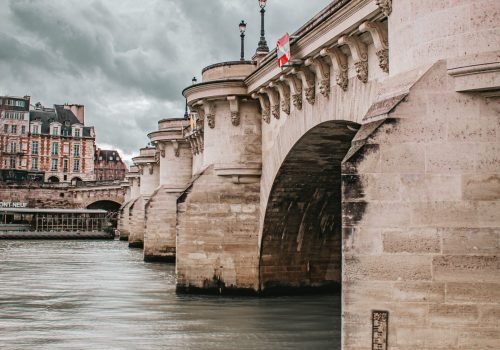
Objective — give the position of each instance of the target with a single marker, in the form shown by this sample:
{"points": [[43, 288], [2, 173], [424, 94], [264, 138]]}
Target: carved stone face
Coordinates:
{"points": [[235, 118], [324, 87], [362, 70], [297, 101]]}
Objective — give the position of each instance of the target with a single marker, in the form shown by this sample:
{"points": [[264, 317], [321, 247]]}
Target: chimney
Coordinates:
{"points": [[78, 111]]}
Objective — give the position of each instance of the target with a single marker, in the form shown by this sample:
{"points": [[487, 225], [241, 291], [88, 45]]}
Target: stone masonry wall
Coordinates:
{"points": [[217, 247], [160, 231], [38, 197], [136, 223], [422, 223]]}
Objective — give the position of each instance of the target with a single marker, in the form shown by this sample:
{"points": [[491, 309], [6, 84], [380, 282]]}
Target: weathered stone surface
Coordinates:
{"points": [[471, 293], [481, 187], [470, 241], [462, 268], [412, 241]]}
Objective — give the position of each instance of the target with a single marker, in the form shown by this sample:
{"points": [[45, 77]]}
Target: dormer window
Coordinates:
{"points": [[55, 131], [77, 133]]}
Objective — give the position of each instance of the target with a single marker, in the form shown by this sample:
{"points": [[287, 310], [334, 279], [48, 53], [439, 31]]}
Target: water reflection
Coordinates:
{"points": [[101, 295]]}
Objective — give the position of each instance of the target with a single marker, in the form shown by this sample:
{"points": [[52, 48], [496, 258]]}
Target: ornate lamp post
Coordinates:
{"points": [[243, 27], [262, 47], [194, 80]]}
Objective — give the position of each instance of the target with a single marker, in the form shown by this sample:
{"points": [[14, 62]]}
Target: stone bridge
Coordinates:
{"points": [[99, 195], [93, 195], [370, 164]]}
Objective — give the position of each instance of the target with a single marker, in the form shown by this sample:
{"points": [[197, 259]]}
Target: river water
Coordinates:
{"points": [[101, 295]]}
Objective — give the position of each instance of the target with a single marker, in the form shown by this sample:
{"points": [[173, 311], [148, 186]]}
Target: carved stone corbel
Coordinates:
{"points": [[339, 64], [385, 6], [284, 92], [322, 74], [308, 82], [359, 54], [141, 169], [378, 32], [234, 107], [175, 145], [264, 106], [295, 86], [274, 99], [161, 147], [209, 109]]}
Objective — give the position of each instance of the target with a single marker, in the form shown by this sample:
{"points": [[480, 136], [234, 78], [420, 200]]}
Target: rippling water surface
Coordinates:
{"points": [[101, 295]]}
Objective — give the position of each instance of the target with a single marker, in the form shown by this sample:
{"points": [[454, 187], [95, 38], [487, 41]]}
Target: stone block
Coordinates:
{"points": [[444, 213], [387, 268], [489, 213], [415, 240], [430, 187], [473, 293], [440, 314], [424, 292], [415, 337], [363, 240], [415, 129], [402, 158], [470, 241], [478, 338], [461, 268], [382, 214], [489, 315], [488, 158], [451, 158], [483, 187]]}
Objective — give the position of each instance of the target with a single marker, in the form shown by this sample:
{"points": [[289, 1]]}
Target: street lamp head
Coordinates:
{"points": [[262, 3], [194, 80], [243, 27]]}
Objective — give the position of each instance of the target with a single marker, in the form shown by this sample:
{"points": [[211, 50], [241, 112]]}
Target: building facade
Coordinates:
{"points": [[60, 145], [14, 132], [108, 165]]}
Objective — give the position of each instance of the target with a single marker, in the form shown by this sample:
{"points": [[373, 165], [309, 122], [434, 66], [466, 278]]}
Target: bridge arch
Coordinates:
{"points": [[53, 179], [302, 226]]}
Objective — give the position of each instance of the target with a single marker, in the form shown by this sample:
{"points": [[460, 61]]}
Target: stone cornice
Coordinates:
{"points": [[167, 135], [321, 33], [215, 89]]}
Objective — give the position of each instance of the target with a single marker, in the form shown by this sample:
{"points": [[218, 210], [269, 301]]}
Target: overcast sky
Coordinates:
{"points": [[127, 61]]}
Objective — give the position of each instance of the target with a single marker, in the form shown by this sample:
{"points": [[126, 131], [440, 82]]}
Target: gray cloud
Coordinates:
{"points": [[128, 60]]}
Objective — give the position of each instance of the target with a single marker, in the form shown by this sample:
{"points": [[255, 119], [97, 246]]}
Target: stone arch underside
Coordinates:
{"points": [[301, 237]]}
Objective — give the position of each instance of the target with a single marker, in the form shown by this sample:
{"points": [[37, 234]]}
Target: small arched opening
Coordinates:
{"points": [[112, 207], [53, 179]]}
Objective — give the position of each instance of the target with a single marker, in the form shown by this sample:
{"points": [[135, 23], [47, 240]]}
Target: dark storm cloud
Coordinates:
{"points": [[127, 60]]}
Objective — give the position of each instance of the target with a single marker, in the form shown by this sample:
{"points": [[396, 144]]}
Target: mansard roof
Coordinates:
{"points": [[58, 114]]}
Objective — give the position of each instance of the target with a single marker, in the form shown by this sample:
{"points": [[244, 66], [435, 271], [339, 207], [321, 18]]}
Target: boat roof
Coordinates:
{"points": [[52, 211]]}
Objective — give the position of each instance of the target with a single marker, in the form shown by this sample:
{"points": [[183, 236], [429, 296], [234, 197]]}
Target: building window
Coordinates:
{"points": [[13, 147], [23, 129], [55, 149], [20, 104], [66, 148], [12, 162], [53, 165], [77, 133], [76, 150], [34, 163], [65, 132], [14, 129], [55, 131], [34, 129], [5, 128], [65, 165], [76, 165], [34, 147]]}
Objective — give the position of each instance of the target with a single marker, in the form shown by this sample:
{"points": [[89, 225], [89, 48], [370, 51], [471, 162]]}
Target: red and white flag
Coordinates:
{"points": [[283, 50]]}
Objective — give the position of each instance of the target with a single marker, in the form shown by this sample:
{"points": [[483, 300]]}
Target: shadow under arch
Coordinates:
{"points": [[301, 245], [112, 207]]}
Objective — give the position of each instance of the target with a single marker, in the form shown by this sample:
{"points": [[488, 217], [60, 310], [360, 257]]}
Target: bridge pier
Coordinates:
{"points": [[149, 179], [133, 192], [175, 167], [218, 216]]}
